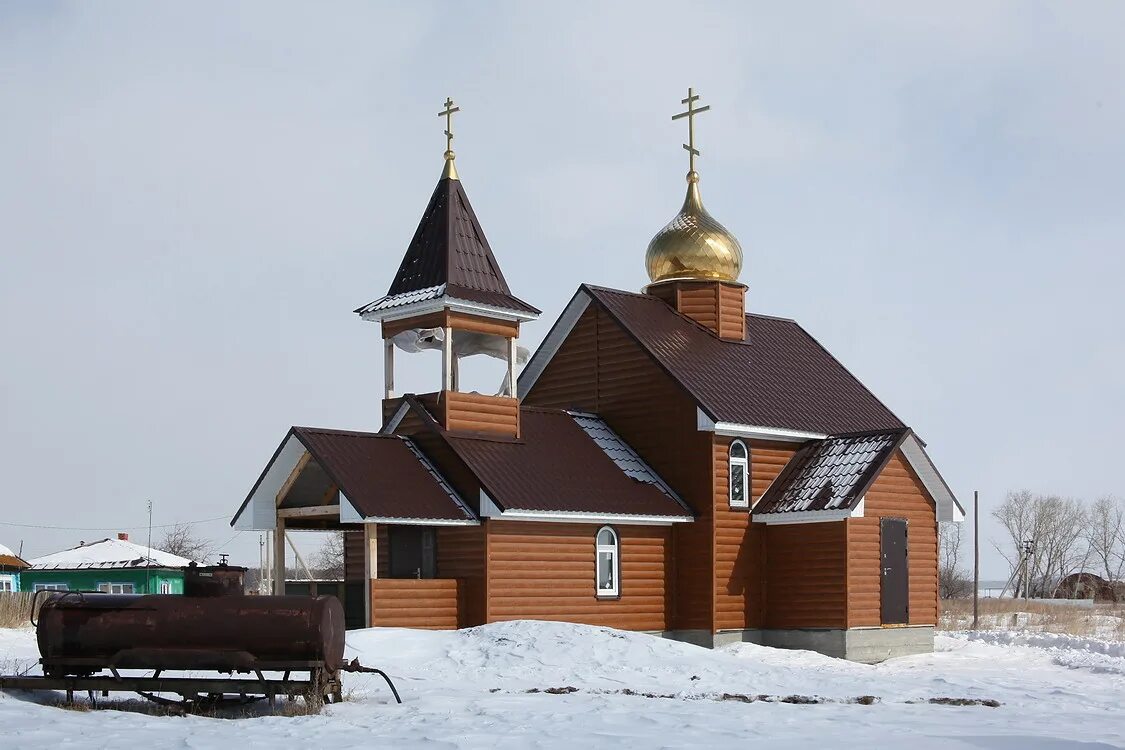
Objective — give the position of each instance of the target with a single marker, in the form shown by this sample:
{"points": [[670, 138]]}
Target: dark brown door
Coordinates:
{"points": [[413, 552], [895, 586]]}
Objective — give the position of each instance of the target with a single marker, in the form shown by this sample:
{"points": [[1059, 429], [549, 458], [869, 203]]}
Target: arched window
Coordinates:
{"points": [[739, 475], [608, 567]]}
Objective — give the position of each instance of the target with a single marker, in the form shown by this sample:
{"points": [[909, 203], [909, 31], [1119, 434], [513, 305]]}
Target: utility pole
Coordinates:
{"points": [[976, 559], [1028, 546]]}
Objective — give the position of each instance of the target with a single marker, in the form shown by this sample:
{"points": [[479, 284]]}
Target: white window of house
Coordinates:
{"points": [[51, 587], [7, 584], [116, 588], [165, 587], [608, 567], [739, 475]]}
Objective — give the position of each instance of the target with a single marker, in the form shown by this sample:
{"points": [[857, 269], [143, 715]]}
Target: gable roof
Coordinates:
{"points": [[383, 476], [449, 256], [380, 477], [779, 377], [108, 553], [562, 463], [831, 474]]}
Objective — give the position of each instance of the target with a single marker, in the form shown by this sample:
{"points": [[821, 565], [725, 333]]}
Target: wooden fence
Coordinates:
{"points": [[15, 609]]}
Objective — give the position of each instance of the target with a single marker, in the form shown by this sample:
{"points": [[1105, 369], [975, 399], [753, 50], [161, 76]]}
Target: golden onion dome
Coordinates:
{"points": [[693, 245]]}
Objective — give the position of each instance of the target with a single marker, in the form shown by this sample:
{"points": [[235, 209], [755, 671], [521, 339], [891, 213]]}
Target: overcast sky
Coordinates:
{"points": [[194, 198]]}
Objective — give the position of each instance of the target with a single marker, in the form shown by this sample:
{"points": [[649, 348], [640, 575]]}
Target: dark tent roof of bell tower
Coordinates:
{"points": [[449, 250]]}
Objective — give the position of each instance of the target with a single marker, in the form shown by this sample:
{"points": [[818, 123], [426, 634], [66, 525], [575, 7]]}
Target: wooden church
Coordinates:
{"points": [[665, 462]]}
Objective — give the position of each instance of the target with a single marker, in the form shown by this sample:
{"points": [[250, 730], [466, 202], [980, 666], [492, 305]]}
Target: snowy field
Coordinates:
{"points": [[472, 689]]}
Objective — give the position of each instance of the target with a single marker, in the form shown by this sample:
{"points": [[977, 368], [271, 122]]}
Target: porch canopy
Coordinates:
{"points": [[323, 479]]}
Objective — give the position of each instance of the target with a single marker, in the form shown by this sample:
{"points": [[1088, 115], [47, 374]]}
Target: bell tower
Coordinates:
{"points": [[694, 261], [450, 294]]}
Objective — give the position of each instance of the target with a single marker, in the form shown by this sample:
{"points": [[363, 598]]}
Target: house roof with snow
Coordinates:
{"points": [[109, 553], [9, 559]]}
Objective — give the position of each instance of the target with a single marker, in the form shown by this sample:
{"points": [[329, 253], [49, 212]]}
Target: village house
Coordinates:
{"points": [[111, 566], [667, 461], [10, 566]]}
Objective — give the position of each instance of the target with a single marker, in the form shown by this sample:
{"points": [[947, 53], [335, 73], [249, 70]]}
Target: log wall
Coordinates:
{"points": [[430, 604], [896, 493], [806, 575], [546, 571], [600, 368], [475, 412], [739, 543], [717, 305]]}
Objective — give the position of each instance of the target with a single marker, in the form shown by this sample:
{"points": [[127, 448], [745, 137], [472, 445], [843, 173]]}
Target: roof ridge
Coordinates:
{"points": [[332, 431]]}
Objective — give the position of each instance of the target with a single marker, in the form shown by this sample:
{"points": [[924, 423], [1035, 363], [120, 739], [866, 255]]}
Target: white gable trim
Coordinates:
{"points": [[948, 509], [489, 509], [442, 303], [260, 513], [807, 516], [555, 338], [704, 423], [396, 418]]}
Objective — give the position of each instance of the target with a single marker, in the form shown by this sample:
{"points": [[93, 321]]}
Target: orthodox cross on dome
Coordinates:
{"points": [[690, 114], [447, 113]]}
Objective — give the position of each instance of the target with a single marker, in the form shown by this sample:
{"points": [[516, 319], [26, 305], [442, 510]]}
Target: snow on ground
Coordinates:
{"points": [[468, 689]]}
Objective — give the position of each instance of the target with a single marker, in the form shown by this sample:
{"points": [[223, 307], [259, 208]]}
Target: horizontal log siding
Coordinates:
{"points": [[474, 412], [738, 542], [412, 603], [806, 575], [460, 552], [600, 368], [700, 302], [545, 571], [732, 311], [896, 493]]}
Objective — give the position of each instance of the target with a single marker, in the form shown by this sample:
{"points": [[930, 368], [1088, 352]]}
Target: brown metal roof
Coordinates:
{"points": [[563, 462], [830, 474], [449, 247], [779, 376], [383, 476]]}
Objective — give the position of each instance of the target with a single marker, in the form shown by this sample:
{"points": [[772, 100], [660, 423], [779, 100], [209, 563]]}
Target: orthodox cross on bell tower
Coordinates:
{"points": [[447, 113], [690, 113]]}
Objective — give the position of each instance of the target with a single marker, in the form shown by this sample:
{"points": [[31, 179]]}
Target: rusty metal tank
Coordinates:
{"points": [[84, 633], [214, 580]]}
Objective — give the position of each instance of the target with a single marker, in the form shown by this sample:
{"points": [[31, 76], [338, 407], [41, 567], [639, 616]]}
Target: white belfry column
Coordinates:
{"points": [[370, 566], [447, 359], [388, 369], [512, 367]]}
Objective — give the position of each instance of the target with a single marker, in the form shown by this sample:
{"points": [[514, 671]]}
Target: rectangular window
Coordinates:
{"points": [[51, 587], [116, 588], [165, 587], [6, 584], [738, 484]]}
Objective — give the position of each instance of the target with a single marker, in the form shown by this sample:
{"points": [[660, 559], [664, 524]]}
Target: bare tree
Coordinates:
{"points": [[182, 540], [953, 582], [329, 559], [1053, 528], [1105, 536]]}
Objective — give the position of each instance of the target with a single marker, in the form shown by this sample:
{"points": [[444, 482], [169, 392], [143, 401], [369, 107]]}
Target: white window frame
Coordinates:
{"points": [[108, 588], [165, 587], [614, 550], [744, 462], [52, 587], [7, 583]]}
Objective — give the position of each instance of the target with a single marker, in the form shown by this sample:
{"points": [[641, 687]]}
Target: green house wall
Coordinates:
{"points": [[144, 580]]}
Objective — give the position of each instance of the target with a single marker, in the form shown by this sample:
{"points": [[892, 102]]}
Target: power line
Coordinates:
{"points": [[111, 528]]}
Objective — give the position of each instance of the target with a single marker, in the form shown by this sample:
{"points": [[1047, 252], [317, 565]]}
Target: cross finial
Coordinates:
{"points": [[447, 113], [690, 113]]}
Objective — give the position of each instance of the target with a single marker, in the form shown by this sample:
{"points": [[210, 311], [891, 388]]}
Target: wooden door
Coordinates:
{"points": [[895, 580]]}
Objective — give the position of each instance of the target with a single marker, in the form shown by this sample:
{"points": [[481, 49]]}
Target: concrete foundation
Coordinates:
{"points": [[868, 645]]}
